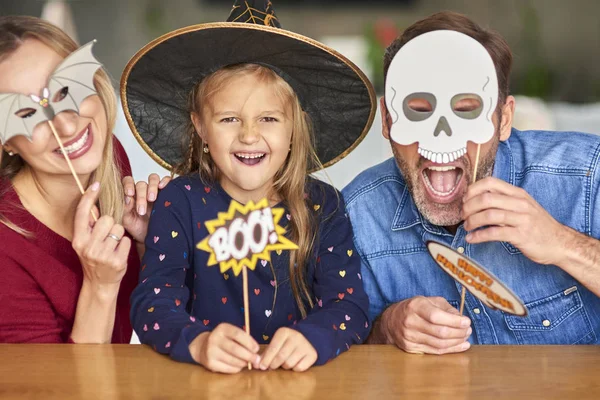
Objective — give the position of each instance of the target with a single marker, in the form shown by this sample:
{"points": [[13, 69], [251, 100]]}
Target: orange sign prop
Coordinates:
{"points": [[477, 280], [243, 235]]}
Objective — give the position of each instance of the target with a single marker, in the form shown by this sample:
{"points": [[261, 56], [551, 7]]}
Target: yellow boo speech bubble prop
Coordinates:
{"points": [[477, 280], [243, 235]]}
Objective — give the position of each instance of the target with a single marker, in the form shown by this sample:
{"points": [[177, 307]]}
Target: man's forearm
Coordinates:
{"points": [[581, 259]]}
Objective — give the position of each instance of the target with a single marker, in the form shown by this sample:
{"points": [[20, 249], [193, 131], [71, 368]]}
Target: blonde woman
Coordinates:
{"points": [[251, 105], [64, 278]]}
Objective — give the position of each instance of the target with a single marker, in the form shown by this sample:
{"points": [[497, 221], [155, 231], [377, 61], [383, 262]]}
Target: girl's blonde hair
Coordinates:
{"points": [[290, 182], [14, 30]]}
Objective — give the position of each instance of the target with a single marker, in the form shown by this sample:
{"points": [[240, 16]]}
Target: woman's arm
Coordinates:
{"points": [[103, 251]]}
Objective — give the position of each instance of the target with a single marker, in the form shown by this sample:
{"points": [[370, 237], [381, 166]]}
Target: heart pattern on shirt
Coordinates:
{"points": [[204, 305]]}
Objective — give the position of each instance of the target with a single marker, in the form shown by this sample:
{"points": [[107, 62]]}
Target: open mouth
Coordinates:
{"points": [[250, 159], [79, 146], [442, 180]]}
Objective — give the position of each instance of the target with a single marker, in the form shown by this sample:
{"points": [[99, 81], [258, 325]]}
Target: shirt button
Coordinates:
{"points": [[476, 310], [461, 249], [546, 322]]}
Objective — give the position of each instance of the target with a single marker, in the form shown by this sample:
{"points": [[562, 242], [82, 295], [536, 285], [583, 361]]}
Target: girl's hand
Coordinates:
{"points": [[227, 349], [137, 213], [289, 349], [101, 246]]}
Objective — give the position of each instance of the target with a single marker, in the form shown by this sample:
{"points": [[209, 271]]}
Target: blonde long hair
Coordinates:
{"points": [[14, 30], [289, 182]]}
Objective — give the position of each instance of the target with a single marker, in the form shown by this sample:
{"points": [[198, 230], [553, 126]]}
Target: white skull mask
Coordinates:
{"points": [[442, 68]]}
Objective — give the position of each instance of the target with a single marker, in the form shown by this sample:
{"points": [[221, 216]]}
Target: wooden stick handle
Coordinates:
{"points": [[464, 291], [462, 300], [68, 160], [476, 164], [246, 311]]}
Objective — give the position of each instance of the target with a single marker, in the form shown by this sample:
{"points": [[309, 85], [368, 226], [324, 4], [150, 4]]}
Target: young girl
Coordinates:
{"points": [[249, 139]]}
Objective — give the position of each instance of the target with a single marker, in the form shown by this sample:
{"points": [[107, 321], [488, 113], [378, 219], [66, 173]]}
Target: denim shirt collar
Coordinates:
{"points": [[407, 214]]}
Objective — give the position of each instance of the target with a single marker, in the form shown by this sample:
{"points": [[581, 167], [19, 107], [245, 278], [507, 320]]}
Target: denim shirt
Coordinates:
{"points": [[559, 170]]}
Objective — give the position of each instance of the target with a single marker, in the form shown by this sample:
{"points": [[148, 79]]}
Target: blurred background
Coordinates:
{"points": [[556, 46]]}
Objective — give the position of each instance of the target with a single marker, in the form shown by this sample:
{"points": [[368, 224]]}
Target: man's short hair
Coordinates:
{"points": [[447, 20]]}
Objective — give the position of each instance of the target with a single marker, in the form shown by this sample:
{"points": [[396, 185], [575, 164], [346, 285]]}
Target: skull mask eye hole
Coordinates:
{"points": [[418, 106], [467, 105]]}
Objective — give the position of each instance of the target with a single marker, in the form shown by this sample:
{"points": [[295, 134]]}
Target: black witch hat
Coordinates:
{"points": [[157, 80]]}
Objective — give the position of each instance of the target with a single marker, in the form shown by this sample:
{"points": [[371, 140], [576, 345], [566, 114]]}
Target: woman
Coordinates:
{"points": [[64, 277]]}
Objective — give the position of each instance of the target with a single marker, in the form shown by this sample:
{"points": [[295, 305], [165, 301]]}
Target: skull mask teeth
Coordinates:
{"points": [[442, 158]]}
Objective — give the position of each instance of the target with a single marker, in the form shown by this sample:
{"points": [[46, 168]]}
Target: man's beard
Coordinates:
{"points": [[448, 214]]}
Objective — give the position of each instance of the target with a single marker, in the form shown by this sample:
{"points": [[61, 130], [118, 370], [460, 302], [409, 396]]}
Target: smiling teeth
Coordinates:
{"points": [[77, 145], [249, 156], [442, 158]]}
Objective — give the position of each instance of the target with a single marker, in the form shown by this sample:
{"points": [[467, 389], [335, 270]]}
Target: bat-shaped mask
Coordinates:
{"points": [[70, 83]]}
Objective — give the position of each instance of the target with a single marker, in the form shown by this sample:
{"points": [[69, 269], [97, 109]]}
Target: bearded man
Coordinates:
{"points": [[531, 218]]}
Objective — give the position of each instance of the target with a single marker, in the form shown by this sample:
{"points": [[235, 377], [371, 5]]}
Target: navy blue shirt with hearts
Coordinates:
{"points": [[179, 296]]}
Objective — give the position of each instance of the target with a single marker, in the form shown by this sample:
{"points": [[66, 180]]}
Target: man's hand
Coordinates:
{"points": [[425, 325], [509, 214]]}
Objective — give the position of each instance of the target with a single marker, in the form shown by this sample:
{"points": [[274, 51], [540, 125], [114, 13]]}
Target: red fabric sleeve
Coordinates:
{"points": [[26, 315]]}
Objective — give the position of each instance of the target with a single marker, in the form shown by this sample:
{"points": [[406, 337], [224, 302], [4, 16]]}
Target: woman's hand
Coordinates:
{"points": [[289, 349], [101, 246], [137, 213], [227, 349]]}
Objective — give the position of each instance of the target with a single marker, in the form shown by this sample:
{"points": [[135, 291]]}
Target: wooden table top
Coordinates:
{"points": [[365, 372]]}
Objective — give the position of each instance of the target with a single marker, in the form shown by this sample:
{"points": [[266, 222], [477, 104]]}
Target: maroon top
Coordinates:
{"points": [[41, 277]]}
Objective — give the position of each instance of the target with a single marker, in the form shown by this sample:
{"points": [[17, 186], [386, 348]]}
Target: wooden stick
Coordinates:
{"points": [[464, 291], [68, 160], [246, 312]]}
